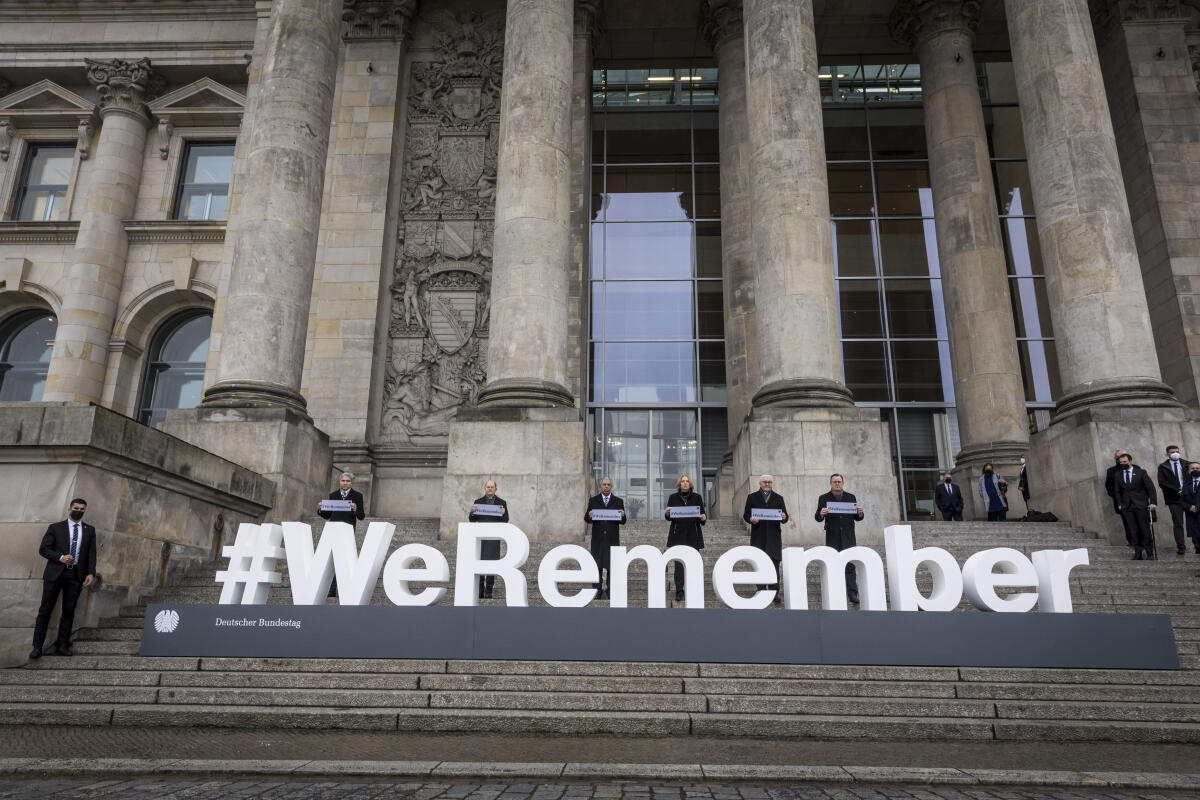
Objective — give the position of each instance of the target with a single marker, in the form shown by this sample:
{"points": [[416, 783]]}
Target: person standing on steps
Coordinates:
{"points": [[358, 510], [1190, 500], [488, 550], [1137, 497], [69, 548], [1023, 485], [766, 534], [839, 525], [1111, 477], [1172, 474], [948, 499], [606, 534], [992, 494], [684, 530]]}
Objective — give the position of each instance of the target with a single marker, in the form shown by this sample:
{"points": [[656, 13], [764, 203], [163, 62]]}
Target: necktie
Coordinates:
{"points": [[606, 501], [75, 544], [1178, 477], [1128, 476]]}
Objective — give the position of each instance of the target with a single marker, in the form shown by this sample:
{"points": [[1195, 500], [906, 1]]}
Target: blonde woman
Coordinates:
{"points": [[684, 530]]}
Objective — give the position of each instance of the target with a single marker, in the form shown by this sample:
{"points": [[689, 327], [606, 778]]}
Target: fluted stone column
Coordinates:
{"points": [[267, 308], [789, 206], [527, 347], [78, 365], [725, 34], [802, 423], [1098, 304], [988, 390]]}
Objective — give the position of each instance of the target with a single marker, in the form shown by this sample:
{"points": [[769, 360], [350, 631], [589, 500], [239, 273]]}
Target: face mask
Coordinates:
{"points": [[1174, 456], [987, 471], [1118, 461], [1196, 473], [1022, 462], [77, 515]]}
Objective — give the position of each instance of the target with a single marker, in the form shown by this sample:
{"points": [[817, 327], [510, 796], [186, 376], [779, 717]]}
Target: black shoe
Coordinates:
{"points": [[604, 595], [853, 597], [487, 595], [481, 594], [678, 595], [35, 653], [1180, 551], [1137, 555], [63, 650]]}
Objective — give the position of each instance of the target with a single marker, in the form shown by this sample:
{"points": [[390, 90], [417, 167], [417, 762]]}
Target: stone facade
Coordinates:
{"points": [[400, 287]]}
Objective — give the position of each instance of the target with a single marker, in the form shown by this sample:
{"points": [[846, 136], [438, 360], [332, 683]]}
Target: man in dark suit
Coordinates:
{"points": [[1110, 488], [766, 534], [606, 534], [69, 548], [1191, 503], [839, 528], [1137, 498], [1171, 475], [488, 550], [949, 500], [358, 510]]}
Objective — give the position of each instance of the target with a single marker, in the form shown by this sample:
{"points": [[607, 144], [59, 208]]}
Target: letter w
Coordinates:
{"points": [[312, 572]]}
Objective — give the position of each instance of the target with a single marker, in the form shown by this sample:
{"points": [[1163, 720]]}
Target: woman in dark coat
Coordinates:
{"points": [[684, 531]]}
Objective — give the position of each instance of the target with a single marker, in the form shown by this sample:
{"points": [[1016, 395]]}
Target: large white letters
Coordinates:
{"points": [[399, 572], [832, 565], [902, 573], [551, 572], [508, 568], [726, 579], [312, 571], [656, 565], [1053, 569], [1000, 566]]}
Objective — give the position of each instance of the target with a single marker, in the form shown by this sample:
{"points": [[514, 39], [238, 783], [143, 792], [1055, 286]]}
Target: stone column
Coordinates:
{"points": [[989, 394], [89, 306], [527, 348], [802, 424], [725, 34], [1097, 301], [267, 307], [527, 433]]}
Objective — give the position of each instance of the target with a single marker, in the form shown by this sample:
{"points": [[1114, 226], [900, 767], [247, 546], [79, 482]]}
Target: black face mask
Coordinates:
{"points": [[1196, 473], [987, 472], [948, 480], [77, 515]]}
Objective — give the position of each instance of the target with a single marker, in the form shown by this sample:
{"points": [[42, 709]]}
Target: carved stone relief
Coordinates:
{"points": [[441, 282]]}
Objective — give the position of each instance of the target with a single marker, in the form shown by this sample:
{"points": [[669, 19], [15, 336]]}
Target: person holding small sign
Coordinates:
{"points": [[766, 512], [606, 514], [345, 504], [489, 508], [685, 510], [839, 510]]}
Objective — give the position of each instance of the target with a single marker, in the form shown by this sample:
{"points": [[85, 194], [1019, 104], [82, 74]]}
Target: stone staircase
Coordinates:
{"points": [[107, 683]]}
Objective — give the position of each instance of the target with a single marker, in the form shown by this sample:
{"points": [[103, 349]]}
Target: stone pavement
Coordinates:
{"points": [[201, 788]]}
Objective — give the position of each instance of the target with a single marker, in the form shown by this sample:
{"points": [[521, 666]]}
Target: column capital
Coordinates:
{"points": [[914, 20], [587, 17], [124, 86], [1109, 12], [722, 22], [377, 19]]}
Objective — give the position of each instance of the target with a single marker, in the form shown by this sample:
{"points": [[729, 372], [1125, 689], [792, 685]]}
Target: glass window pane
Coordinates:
{"points": [[705, 137], [865, 367], [650, 193], [910, 309], [598, 193], [861, 314], [853, 251], [850, 193], [648, 138], [708, 249], [712, 372], [918, 494], [25, 357], [674, 451], [1013, 191], [899, 187], [188, 342], [922, 371], [846, 134], [998, 82], [597, 314], [648, 250], [209, 163], [841, 84], [1031, 308], [708, 192], [42, 205], [31, 341], [51, 166], [624, 451], [648, 310], [635, 372], [710, 310], [892, 83], [714, 432], [1039, 370], [597, 251], [1005, 135], [908, 247], [1024, 247], [897, 132]]}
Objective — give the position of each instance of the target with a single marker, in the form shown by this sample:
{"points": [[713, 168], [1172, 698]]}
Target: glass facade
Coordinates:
{"points": [[203, 189], [657, 339], [175, 370]]}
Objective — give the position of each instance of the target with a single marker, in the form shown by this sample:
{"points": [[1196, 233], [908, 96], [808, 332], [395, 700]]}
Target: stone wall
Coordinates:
{"points": [[160, 506]]}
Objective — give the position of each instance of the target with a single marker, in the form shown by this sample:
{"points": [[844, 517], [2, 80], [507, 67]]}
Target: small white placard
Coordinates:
{"points": [[842, 508], [606, 515], [685, 512], [335, 505], [489, 510], [775, 514]]}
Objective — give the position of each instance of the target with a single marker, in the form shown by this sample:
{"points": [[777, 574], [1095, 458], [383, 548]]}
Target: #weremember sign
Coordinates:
{"points": [[606, 515], [417, 575], [842, 508]]}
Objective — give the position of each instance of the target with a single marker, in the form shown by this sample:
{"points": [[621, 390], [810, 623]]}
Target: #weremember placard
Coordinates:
{"points": [[489, 510], [335, 505], [606, 515], [774, 514], [842, 508], [685, 512]]}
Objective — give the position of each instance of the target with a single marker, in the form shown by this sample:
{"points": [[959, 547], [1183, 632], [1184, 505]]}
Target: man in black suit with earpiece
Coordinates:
{"points": [[69, 548]]}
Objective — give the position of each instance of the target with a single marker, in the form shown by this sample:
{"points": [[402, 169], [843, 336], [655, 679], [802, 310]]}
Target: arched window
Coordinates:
{"points": [[175, 368], [26, 341]]}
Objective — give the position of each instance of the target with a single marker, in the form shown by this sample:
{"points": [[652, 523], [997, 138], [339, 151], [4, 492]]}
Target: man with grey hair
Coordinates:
{"points": [[358, 509], [765, 534]]}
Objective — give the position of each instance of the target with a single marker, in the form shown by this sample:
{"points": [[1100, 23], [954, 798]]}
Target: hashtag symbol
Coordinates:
{"points": [[252, 559]]}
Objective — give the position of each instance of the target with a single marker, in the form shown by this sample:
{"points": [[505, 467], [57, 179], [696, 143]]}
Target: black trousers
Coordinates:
{"points": [[948, 516], [998, 516], [603, 557], [1137, 520], [70, 585], [1177, 522], [1125, 525]]}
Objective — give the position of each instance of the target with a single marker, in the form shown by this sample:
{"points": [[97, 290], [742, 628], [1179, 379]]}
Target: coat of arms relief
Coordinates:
{"points": [[441, 282]]}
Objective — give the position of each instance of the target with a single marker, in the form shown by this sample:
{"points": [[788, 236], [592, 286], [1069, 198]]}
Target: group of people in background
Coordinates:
{"points": [[993, 493], [1135, 500]]}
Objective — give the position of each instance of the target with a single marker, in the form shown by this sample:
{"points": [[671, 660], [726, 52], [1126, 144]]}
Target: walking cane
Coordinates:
{"points": [[1153, 544]]}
